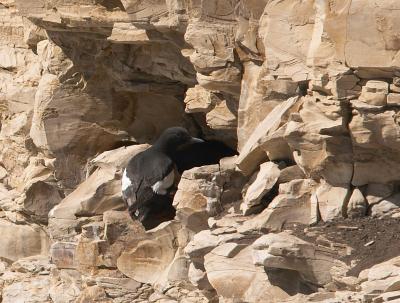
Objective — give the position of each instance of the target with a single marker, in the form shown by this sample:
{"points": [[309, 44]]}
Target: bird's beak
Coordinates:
{"points": [[196, 140]]}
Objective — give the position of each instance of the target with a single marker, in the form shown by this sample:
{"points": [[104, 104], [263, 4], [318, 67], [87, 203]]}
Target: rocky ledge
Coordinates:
{"points": [[306, 92]]}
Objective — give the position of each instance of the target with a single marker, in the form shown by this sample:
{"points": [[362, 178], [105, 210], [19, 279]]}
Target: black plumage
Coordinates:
{"points": [[149, 178]]}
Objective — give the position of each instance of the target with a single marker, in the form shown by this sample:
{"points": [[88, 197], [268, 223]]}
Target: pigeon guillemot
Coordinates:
{"points": [[149, 176]]}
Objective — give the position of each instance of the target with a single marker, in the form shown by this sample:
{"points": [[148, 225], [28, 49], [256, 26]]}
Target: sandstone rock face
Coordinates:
{"points": [[230, 264], [262, 184], [306, 92], [288, 252], [292, 205], [22, 241]]}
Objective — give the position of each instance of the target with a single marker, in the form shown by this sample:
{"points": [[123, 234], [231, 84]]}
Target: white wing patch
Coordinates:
{"points": [[125, 181], [161, 187]]}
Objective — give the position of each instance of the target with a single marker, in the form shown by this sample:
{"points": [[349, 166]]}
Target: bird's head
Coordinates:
{"points": [[174, 137]]}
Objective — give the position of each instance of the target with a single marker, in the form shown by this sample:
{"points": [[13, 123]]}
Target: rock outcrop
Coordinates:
{"points": [[300, 100]]}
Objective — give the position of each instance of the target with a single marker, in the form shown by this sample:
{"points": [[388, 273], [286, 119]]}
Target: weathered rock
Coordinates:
{"points": [[357, 206], [99, 193], [262, 143], [25, 289], [332, 201], [292, 205], [81, 77], [220, 113], [63, 254], [21, 241], [236, 268], [66, 285], [198, 277], [320, 141], [393, 99], [382, 277], [260, 185], [315, 264], [198, 99], [157, 256], [199, 196], [93, 294], [386, 206], [374, 137], [376, 192], [35, 264], [119, 288], [290, 173], [375, 93]]}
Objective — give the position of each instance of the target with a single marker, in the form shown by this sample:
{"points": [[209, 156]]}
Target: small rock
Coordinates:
{"points": [[393, 99], [374, 92]]}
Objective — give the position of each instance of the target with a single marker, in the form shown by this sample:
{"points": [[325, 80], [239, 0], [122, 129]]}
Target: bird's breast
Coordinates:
{"points": [[161, 186]]}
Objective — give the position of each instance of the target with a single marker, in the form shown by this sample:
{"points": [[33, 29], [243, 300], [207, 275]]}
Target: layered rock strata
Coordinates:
{"points": [[307, 93]]}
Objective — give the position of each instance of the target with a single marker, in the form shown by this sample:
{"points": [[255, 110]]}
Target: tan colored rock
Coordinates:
{"points": [[320, 141], [379, 48], [332, 201], [66, 285], [382, 277], [250, 282], [375, 93], [201, 244], [260, 91], [315, 264], [393, 89], [276, 16], [21, 241], [99, 193], [155, 256], [393, 99], [63, 255], [219, 111], [128, 33], [376, 192], [374, 137], [260, 185], [198, 99], [290, 173], [114, 222], [119, 288], [38, 264], [32, 290], [357, 206], [261, 142], [198, 196], [99, 245], [292, 205], [198, 277], [386, 206], [93, 294]]}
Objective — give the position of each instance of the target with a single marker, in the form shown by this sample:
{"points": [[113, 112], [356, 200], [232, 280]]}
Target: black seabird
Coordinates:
{"points": [[149, 176]]}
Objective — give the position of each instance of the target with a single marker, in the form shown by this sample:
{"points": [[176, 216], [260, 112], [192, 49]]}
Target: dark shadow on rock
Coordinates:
{"points": [[290, 281], [161, 211]]}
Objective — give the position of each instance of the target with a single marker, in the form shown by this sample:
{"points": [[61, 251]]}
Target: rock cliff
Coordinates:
{"points": [[306, 91]]}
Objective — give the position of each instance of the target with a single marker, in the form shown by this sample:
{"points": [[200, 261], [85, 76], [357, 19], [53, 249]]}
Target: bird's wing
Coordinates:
{"points": [[146, 173]]}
